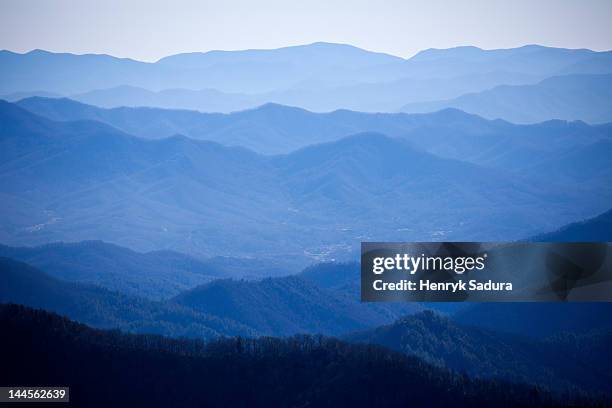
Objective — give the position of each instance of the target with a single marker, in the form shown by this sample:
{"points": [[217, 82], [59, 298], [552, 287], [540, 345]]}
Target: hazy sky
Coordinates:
{"points": [[148, 30]]}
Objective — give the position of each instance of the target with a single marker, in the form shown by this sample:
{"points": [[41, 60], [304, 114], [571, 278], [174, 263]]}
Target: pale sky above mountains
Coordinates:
{"points": [[150, 29]]}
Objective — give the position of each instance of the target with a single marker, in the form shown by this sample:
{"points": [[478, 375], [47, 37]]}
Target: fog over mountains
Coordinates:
{"points": [[323, 77]]}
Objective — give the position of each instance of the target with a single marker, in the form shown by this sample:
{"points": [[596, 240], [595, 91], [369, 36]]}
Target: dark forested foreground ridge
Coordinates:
{"points": [[107, 368], [561, 346], [566, 360]]}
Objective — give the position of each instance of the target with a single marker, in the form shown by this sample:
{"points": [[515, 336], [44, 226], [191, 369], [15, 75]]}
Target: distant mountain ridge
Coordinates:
{"points": [[570, 97], [74, 181], [271, 306], [298, 62], [100, 307], [366, 97], [270, 128], [156, 275], [321, 76], [287, 305], [274, 129], [228, 71], [323, 54], [166, 273], [205, 100], [597, 229]]}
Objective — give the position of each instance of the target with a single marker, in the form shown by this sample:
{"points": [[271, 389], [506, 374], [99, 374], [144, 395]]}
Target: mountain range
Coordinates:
{"points": [[324, 77], [289, 305], [203, 100], [98, 270], [102, 308], [243, 71], [323, 298], [281, 306], [482, 353], [87, 265], [155, 275], [266, 306], [277, 129], [220, 198], [570, 97], [84, 180], [520, 342], [365, 97]]}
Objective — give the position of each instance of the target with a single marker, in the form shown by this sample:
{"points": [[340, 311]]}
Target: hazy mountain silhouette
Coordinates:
{"points": [[389, 96], [207, 100], [319, 54], [319, 76], [366, 97], [572, 97], [270, 128], [279, 129], [65, 73], [532, 59], [598, 64], [270, 306], [74, 181], [17, 96], [285, 306], [597, 229], [275, 306], [229, 71], [344, 279], [111, 179], [583, 164], [100, 307], [157, 275]]}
